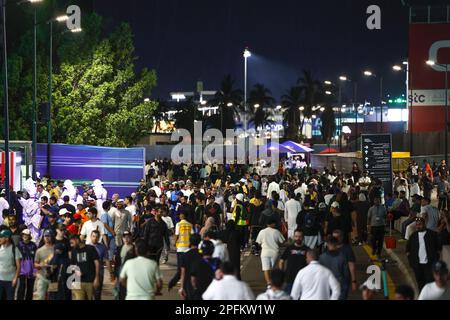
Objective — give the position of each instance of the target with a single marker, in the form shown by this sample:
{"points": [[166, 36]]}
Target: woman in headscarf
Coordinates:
{"points": [[209, 224]]}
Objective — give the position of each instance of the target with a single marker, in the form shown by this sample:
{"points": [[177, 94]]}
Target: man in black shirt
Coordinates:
{"points": [[154, 233], [188, 260], [294, 259], [68, 206], [213, 210], [85, 262]]}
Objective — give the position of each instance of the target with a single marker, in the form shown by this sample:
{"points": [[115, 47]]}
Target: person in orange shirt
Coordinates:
{"points": [[427, 168], [81, 210]]}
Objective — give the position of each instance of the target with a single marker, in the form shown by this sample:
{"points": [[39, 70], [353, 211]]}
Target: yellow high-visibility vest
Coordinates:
{"points": [[241, 222], [185, 229]]}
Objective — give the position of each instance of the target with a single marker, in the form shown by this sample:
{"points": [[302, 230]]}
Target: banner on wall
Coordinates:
{"points": [[120, 169]]}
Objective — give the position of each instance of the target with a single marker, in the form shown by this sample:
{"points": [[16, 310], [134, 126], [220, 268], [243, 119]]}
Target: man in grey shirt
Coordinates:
{"points": [[430, 213], [122, 222], [376, 221]]}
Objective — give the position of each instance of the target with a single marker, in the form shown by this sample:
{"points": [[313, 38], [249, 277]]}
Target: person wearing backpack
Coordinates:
{"points": [[10, 260], [27, 271], [203, 271], [309, 222]]}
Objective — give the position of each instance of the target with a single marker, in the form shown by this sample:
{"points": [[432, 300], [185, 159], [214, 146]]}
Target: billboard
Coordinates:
{"points": [[427, 83], [120, 169]]}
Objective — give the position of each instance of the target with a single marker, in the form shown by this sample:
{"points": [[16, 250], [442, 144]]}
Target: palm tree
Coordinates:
{"points": [[291, 115], [187, 115], [261, 104], [312, 91], [228, 99], [328, 127]]}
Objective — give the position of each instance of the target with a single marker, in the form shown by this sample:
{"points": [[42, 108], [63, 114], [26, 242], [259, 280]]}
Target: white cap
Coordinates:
{"points": [[26, 231], [97, 183], [362, 197], [243, 180], [335, 204], [90, 199], [120, 200], [240, 197], [63, 211]]}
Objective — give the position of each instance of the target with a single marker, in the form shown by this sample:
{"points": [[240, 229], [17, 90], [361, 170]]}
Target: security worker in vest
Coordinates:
{"points": [[240, 218]]}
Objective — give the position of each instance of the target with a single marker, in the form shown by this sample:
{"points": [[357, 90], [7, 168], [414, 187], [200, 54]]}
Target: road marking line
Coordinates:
{"points": [[390, 283]]}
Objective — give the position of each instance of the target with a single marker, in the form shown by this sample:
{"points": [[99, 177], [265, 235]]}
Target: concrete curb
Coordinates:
{"points": [[404, 269]]}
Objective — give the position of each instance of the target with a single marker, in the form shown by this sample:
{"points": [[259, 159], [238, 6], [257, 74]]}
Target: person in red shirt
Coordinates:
{"points": [[75, 227]]}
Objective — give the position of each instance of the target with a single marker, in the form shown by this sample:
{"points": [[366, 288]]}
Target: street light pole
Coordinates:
{"points": [[247, 54], [355, 88], [5, 105], [381, 102], [340, 116], [34, 125], [446, 115]]}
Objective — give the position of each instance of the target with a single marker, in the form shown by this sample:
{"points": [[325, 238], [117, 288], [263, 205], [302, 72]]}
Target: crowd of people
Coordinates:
{"points": [[57, 240]]}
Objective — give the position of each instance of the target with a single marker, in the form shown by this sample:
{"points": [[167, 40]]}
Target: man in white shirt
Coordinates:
{"points": [[228, 287], [440, 288], [220, 249], [91, 225], [315, 282], [273, 186], [364, 181], [291, 211], [3, 205], [141, 276], [270, 240], [156, 188]]}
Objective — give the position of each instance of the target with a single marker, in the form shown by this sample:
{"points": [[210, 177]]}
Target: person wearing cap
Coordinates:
{"points": [[270, 240], [42, 263], [423, 249], [27, 271], [337, 221], [93, 224], [122, 221], [85, 261], [121, 255], [203, 271], [440, 288], [10, 263], [376, 223], [240, 216]]}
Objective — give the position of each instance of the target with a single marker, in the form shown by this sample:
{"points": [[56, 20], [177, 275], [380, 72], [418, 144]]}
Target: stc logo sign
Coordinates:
{"points": [[416, 98], [433, 54]]}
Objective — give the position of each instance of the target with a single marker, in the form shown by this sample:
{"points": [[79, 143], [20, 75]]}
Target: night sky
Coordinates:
{"points": [[191, 40]]}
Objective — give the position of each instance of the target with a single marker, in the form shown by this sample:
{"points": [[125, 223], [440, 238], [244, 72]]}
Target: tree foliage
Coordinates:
{"points": [[98, 97]]}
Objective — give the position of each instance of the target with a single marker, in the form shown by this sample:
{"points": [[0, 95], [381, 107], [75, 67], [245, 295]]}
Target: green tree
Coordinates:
{"points": [[98, 98]]}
